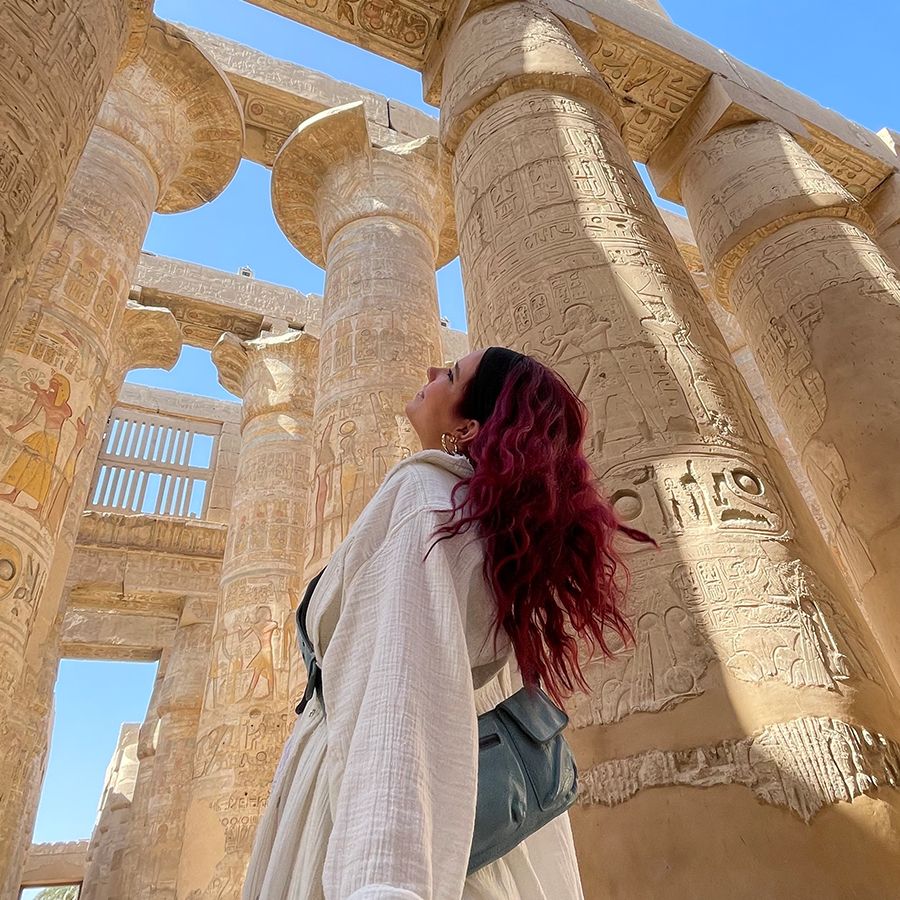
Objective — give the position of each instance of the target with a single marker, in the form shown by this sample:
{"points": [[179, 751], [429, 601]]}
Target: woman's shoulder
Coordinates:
{"points": [[423, 481], [412, 490]]}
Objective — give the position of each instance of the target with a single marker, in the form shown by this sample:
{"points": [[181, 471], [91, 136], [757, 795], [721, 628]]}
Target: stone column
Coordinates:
{"points": [[884, 205], [104, 856], [136, 845], [162, 794], [372, 217], [752, 701], [56, 63], [168, 137], [146, 337], [787, 249], [255, 673], [885, 211]]}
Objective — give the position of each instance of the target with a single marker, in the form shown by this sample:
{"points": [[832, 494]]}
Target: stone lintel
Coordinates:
{"points": [[57, 863], [675, 65], [654, 67], [277, 95], [115, 635], [176, 403], [184, 537], [884, 204], [719, 105], [207, 302]]}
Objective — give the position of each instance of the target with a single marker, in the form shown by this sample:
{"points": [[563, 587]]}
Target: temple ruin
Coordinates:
{"points": [[739, 367]]}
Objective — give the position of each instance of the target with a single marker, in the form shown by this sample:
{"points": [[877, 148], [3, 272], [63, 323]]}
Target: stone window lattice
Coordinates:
{"points": [[154, 464]]}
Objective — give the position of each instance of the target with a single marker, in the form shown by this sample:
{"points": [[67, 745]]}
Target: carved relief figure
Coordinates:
{"points": [[353, 482], [262, 663], [323, 479], [32, 470], [56, 508], [828, 474]]}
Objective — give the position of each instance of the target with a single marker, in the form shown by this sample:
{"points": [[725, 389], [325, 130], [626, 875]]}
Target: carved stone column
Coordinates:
{"points": [[136, 845], [162, 794], [884, 206], [101, 876], [787, 249], [372, 217], [56, 64], [752, 698], [168, 137], [255, 674]]}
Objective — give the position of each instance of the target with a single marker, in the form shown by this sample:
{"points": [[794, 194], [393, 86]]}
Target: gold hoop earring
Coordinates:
{"points": [[453, 449]]}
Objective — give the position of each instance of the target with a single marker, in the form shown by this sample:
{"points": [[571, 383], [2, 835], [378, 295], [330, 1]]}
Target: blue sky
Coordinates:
{"points": [[815, 46]]}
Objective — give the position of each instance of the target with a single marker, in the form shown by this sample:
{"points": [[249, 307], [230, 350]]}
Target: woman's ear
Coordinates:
{"points": [[466, 432]]}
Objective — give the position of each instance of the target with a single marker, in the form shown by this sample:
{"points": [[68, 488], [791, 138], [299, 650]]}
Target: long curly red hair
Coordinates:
{"points": [[547, 530]]}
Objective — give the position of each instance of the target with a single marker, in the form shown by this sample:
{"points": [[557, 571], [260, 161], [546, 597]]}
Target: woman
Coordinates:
{"points": [[482, 552]]}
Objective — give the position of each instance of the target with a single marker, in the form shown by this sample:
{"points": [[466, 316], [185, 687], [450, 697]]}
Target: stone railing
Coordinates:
{"points": [[167, 454]]}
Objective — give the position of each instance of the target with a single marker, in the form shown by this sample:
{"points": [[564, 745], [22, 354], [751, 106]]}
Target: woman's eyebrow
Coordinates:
{"points": [[456, 368]]}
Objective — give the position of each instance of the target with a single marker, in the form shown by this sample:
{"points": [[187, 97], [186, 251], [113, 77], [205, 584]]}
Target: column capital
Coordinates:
{"points": [[179, 109], [270, 374], [139, 17], [148, 338], [884, 204], [721, 104], [509, 49], [738, 164], [328, 174]]}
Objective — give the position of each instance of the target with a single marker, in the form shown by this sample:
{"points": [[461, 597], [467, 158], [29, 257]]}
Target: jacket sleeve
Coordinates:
{"points": [[402, 730]]}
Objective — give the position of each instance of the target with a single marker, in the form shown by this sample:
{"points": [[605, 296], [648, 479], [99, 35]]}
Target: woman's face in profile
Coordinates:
{"points": [[432, 411]]}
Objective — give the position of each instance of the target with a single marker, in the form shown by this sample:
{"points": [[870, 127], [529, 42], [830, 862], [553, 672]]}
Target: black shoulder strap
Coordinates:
{"points": [[313, 672]]}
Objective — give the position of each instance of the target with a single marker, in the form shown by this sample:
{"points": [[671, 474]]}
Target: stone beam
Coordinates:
{"points": [[207, 302], [277, 96], [59, 863], [129, 637], [174, 403], [184, 537], [653, 67]]}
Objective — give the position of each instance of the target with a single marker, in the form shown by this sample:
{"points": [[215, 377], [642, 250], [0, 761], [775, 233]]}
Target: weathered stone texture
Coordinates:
{"points": [[373, 218], [755, 704], [104, 855], [787, 248], [167, 137], [56, 62], [742, 620], [254, 675], [60, 862]]}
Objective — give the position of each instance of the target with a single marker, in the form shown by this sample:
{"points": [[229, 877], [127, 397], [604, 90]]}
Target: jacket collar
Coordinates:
{"points": [[457, 465]]}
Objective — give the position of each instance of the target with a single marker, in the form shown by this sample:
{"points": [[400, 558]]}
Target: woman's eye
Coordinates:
{"points": [[450, 374]]}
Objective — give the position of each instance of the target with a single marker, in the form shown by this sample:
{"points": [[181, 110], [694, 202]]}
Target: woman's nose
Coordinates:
{"points": [[432, 373]]}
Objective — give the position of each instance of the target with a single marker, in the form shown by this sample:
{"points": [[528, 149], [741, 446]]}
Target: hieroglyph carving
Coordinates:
{"points": [[167, 137], [565, 257], [373, 217], [395, 28], [255, 674], [56, 62], [803, 765], [820, 306]]}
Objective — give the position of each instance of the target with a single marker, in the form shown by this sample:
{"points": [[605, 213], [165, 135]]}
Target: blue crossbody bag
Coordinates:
{"points": [[526, 772]]}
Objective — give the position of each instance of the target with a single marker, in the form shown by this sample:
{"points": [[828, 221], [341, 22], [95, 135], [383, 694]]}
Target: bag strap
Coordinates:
{"points": [[313, 671]]}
